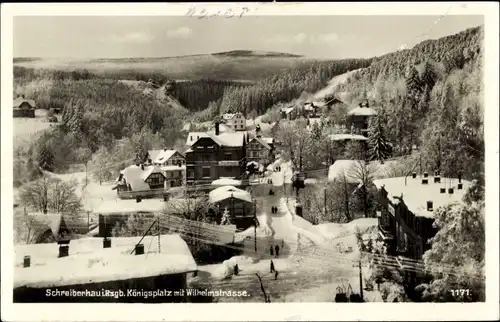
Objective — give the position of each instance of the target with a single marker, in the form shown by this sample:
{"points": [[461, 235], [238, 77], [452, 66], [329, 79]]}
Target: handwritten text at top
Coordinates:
{"points": [[201, 13]]}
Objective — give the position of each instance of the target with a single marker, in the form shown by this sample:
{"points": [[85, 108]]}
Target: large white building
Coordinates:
{"points": [[235, 121]]}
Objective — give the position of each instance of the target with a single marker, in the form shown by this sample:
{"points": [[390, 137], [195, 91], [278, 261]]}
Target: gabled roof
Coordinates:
{"points": [[194, 136], [135, 176], [161, 156], [19, 101], [225, 192], [261, 141], [229, 116], [362, 111], [229, 139]]}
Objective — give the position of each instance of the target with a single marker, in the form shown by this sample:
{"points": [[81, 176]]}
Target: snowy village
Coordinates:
{"points": [[328, 181]]}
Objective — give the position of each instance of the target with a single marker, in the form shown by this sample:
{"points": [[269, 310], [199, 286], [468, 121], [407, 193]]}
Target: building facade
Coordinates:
{"points": [[405, 217], [214, 156], [235, 121], [172, 164], [260, 150], [358, 119], [24, 107]]}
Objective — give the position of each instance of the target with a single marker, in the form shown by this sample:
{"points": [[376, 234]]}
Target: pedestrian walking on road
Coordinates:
{"points": [[276, 275], [272, 266], [277, 251], [271, 251], [236, 270], [282, 243]]}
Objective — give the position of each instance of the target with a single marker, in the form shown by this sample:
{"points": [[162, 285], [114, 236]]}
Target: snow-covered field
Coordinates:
{"points": [[93, 194], [24, 127]]}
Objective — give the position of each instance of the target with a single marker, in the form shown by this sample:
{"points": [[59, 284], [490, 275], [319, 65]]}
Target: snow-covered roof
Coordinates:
{"points": [[194, 136], [89, 262], [415, 194], [348, 167], [161, 156], [229, 116], [225, 192], [50, 220], [129, 206], [148, 170], [342, 167], [231, 139], [135, 176], [362, 111], [341, 137], [261, 141], [226, 182], [19, 101]]}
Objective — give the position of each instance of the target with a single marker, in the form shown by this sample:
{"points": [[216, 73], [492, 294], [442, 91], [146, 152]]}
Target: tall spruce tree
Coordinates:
{"points": [[379, 147]]}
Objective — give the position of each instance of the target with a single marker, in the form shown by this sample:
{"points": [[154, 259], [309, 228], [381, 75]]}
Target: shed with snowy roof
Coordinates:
{"points": [[91, 273], [237, 202]]}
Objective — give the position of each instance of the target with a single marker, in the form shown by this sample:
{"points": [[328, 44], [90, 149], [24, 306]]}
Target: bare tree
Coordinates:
{"points": [[51, 194], [295, 139], [363, 172]]}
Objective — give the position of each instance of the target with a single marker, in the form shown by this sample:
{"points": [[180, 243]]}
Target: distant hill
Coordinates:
{"points": [[252, 53], [235, 65]]}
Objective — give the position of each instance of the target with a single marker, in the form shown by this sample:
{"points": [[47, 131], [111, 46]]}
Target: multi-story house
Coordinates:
{"points": [[261, 150], [172, 164], [358, 118], [406, 215], [143, 180], [216, 155], [235, 121]]}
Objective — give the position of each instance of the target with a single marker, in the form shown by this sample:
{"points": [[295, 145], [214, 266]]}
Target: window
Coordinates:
{"points": [[228, 156], [206, 172], [190, 174]]}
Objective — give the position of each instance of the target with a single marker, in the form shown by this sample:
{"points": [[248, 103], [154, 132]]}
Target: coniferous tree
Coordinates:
{"points": [[379, 147], [46, 158]]}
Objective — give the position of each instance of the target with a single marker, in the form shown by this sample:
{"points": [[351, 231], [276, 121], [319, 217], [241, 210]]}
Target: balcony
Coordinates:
{"points": [[229, 163]]}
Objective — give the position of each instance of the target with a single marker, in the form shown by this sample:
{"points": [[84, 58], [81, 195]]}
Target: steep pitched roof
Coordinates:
{"points": [[161, 156], [230, 139], [229, 116], [225, 192], [261, 141], [194, 136], [19, 101], [135, 176]]}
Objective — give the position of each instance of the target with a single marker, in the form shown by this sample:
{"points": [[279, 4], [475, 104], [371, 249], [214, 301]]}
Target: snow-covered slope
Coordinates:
{"points": [[332, 85]]}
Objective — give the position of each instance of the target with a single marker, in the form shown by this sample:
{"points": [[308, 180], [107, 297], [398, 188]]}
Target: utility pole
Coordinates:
{"points": [[324, 193], [255, 225], [88, 219], [360, 280], [158, 227]]}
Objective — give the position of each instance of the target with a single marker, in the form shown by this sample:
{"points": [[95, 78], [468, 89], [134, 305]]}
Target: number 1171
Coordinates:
{"points": [[460, 292]]}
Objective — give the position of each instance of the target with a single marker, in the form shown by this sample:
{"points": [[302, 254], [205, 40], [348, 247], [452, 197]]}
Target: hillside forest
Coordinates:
{"points": [[429, 96]]}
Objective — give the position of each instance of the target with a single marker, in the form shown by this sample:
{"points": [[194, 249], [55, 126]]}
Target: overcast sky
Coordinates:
{"points": [[313, 36]]}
